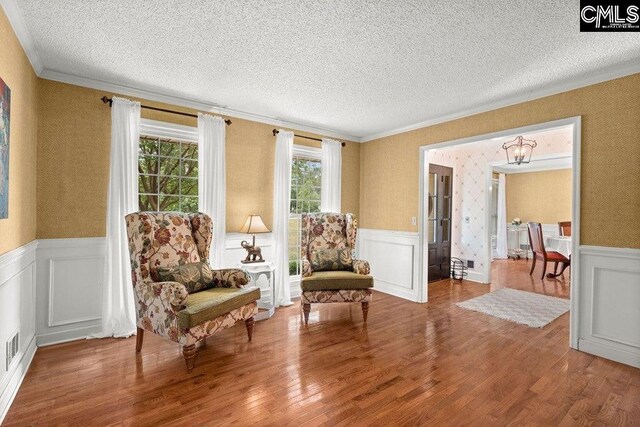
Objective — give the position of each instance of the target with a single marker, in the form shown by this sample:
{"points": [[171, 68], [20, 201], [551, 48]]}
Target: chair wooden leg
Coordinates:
{"points": [[249, 324], [306, 308], [189, 353], [564, 267], [365, 310], [544, 268], [555, 267], [533, 265], [139, 338]]}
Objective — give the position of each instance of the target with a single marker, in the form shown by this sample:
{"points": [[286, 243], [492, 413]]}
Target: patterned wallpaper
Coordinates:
{"points": [[470, 163]]}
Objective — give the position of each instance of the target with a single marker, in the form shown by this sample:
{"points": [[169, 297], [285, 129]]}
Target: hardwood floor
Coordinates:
{"points": [[514, 274], [411, 364]]}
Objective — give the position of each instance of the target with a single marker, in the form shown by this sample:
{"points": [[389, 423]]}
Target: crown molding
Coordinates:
{"points": [[174, 99], [196, 104], [14, 16], [552, 89]]}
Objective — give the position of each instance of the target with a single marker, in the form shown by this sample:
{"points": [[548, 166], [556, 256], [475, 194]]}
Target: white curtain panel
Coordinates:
{"points": [[118, 310], [331, 181], [501, 234], [212, 181], [281, 201]]}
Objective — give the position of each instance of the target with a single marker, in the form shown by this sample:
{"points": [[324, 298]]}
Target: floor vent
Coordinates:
{"points": [[12, 348]]}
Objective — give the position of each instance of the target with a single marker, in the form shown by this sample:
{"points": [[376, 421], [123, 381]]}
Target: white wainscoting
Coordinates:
{"points": [[69, 288], [17, 314], [609, 303], [69, 283], [393, 256]]}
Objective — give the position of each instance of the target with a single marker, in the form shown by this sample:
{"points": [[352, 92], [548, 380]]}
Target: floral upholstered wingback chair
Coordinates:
{"points": [[329, 272], [177, 294]]}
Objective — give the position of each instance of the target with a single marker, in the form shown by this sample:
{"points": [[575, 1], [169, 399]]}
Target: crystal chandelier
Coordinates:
{"points": [[519, 150]]}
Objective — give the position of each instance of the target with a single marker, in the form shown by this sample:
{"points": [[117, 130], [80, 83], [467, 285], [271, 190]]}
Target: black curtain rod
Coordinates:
{"points": [[276, 131], [147, 107]]}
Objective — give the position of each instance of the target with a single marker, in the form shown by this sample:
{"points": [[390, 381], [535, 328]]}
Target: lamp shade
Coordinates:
{"points": [[253, 225]]}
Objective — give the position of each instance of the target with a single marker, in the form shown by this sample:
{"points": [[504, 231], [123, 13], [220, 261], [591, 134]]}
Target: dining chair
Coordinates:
{"points": [[536, 240], [565, 228]]}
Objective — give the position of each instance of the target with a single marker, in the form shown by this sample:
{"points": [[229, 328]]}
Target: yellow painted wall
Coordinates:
{"points": [[543, 197], [16, 71], [73, 163], [610, 199]]}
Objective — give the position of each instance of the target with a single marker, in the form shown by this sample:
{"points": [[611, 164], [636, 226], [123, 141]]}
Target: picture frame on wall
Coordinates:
{"points": [[5, 116]]}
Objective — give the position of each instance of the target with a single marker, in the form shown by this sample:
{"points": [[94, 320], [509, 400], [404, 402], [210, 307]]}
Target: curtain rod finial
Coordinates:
{"points": [[275, 132], [106, 100]]}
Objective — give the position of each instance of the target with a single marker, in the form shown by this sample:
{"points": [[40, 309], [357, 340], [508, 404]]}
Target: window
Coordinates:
{"points": [[305, 185], [167, 174], [494, 207], [306, 175]]}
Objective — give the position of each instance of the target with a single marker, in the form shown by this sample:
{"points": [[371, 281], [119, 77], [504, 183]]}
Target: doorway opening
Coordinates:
{"points": [[474, 223]]}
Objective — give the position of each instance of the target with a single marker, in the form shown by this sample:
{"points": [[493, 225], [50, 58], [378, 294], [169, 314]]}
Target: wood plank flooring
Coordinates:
{"points": [[412, 364]]}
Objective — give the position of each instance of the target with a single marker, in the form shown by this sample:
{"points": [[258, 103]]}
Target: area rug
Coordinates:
{"points": [[526, 308]]}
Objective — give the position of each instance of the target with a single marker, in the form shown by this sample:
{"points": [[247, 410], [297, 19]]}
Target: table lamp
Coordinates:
{"points": [[253, 225]]}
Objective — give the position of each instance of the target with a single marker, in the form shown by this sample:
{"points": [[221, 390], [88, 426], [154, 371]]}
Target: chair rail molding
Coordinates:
{"points": [[17, 314]]}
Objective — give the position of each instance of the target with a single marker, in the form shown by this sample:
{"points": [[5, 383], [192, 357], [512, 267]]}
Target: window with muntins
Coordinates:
{"points": [[306, 173], [167, 174]]}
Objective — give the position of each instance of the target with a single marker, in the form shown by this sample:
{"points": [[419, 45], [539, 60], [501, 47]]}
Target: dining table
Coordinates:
{"points": [[562, 245]]}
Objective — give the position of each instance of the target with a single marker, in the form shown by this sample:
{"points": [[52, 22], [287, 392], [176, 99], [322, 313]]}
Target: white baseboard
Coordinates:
{"points": [[16, 376], [17, 314], [68, 335], [611, 352], [475, 276]]}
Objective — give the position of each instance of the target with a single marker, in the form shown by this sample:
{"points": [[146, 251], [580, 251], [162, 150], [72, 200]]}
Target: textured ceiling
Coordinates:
{"points": [[356, 67]]}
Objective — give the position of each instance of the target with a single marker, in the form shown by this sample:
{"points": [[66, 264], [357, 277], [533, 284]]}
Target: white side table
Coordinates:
{"points": [[266, 303]]}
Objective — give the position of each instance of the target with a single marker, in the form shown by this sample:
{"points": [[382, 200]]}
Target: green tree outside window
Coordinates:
{"points": [[305, 198], [167, 175]]}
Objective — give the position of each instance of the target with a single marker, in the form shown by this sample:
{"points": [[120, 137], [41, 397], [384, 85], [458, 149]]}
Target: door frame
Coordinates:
{"points": [[576, 124]]}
